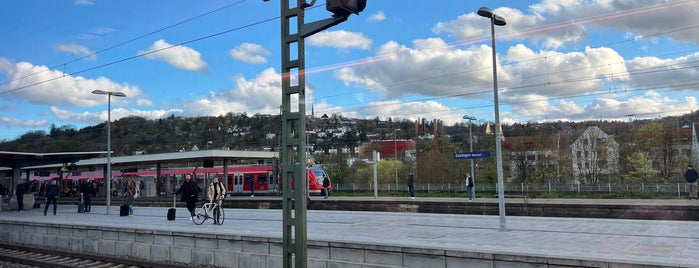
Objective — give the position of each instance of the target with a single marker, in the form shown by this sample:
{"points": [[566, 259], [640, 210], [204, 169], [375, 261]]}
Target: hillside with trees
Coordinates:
{"points": [[648, 150]]}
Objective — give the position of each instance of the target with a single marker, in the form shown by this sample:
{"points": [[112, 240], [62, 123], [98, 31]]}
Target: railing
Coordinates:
{"points": [[678, 189]]}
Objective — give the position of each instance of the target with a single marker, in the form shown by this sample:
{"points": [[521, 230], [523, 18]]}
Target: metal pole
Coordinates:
{"points": [[498, 149], [470, 141], [108, 175], [376, 184], [395, 155]]}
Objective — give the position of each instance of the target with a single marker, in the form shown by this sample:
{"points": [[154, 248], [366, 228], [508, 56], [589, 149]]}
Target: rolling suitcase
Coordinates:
{"points": [[171, 213], [124, 210]]}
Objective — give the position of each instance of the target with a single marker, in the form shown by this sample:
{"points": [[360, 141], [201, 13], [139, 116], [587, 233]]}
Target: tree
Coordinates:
{"points": [[642, 169], [384, 170]]}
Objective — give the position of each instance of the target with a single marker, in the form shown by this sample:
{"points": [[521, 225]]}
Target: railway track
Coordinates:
{"points": [[25, 256]]}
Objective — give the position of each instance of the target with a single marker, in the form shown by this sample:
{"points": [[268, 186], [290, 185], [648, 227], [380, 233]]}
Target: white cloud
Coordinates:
{"points": [[340, 39], [250, 53], [376, 17], [40, 85], [78, 50], [180, 57], [261, 95], [534, 85], [116, 114], [430, 68], [554, 24], [14, 122]]}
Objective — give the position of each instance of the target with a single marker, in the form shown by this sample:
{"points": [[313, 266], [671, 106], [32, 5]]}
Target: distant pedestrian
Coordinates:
{"points": [[19, 195], [159, 187], [691, 176], [469, 187], [251, 181], [190, 194], [115, 188], [3, 192], [52, 191], [217, 193], [141, 187], [326, 185], [86, 192], [411, 185], [130, 195]]}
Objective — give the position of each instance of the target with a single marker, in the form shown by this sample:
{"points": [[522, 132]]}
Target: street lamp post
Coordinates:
{"points": [[499, 21], [108, 175], [395, 155], [470, 141]]}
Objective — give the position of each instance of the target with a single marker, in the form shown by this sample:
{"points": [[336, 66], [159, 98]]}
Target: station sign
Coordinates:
{"points": [[469, 155]]}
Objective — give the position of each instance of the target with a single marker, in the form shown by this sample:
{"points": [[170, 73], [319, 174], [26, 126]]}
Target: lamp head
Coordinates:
{"points": [[485, 12], [110, 93], [468, 117], [499, 21]]}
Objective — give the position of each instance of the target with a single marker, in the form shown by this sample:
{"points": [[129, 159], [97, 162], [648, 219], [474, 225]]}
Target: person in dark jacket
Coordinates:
{"points": [[52, 191], [691, 176], [19, 195], [411, 185], [326, 184], [190, 194], [2, 194], [86, 192], [469, 187]]}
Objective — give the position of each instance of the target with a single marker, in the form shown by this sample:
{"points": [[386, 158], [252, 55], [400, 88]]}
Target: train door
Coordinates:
{"points": [[237, 182]]}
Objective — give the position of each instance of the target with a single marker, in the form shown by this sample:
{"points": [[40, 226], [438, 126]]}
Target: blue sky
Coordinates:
{"points": [[557, 60]]}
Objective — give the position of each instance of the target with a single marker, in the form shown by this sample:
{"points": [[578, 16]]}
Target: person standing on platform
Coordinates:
{"points": [[469, 187], [159, 186], [141, 187], [2, 194], [19, 195], [130, 195], [217, 192], [190, 194], [52, 191], [251, 181], [326, 184], [411, 185], [691, 176], [87, 191]]}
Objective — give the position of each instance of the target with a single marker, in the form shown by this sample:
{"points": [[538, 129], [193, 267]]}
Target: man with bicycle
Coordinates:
{"points": [[217, 192]]}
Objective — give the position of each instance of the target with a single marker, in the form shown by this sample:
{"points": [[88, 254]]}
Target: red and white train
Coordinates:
{"points": [[242, 180]]}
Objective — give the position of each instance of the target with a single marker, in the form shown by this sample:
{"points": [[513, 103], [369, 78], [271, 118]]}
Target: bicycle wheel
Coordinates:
{"points": [[222, 216], [199, 216]]}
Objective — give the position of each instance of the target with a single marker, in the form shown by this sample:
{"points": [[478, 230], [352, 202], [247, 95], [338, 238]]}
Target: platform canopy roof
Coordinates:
{"points": [[176, 157], [10, 159]]}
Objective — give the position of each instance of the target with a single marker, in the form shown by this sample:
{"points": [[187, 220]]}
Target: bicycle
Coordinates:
{"points": [[207, 211]]}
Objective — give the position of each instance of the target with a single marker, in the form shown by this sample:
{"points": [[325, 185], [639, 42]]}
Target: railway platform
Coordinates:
{"points": [[252, 238]]}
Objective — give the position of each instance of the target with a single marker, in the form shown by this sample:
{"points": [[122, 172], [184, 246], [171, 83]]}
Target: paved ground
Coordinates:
{"points": [[674, 243]]}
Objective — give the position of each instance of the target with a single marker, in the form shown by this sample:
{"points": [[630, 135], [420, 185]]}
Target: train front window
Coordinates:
{"points": [[318, 172], [262, 180]]}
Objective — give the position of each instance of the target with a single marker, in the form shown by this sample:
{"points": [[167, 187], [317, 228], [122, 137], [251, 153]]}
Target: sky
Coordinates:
{"points": [[569, 60]]}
